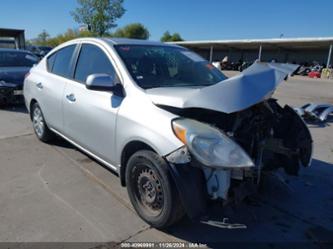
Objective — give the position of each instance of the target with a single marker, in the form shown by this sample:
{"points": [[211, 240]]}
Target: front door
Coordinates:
{"points": [[90, 116]]}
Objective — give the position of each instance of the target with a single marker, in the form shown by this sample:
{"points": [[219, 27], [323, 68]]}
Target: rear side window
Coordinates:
{"points": [[50, 62], [61, 63], [92, 60]]}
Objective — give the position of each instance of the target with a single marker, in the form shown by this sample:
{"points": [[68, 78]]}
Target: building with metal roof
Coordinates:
{"points": [[12, 38], [297, 50]]}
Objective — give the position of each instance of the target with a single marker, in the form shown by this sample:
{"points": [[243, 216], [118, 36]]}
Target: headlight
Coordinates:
{"points": [[209, 145]]}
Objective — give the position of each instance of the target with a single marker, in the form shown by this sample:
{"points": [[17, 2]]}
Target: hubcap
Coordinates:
{"points": [[38, 122], [150, 191]]}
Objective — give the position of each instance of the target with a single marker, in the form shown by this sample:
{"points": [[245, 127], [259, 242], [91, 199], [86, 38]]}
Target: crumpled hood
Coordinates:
{"points": [[13, 75], [237, 93]]}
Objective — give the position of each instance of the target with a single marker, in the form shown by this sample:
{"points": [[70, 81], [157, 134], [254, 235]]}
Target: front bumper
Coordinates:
{"points": [[11, 94], [197, 183]]}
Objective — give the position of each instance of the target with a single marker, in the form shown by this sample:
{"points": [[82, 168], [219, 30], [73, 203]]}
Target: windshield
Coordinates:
{"points": [[16, 59], [166, 66]]}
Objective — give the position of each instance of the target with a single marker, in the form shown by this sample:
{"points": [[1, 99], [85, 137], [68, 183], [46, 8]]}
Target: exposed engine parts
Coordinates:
{"points": [[274, 137]]}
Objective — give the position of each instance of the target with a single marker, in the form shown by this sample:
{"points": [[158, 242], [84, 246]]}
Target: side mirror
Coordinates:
{"points": [[101, 82]]}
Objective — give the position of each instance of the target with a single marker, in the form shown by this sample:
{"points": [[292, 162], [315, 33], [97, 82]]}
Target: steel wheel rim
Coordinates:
{"points": [[38, 122], [149, 190]]}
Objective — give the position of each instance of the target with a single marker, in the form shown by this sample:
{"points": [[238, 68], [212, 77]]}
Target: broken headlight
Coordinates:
{"points": [[209, 145]]}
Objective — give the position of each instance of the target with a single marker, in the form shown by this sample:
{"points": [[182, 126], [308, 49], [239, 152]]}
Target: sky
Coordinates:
{"points": [[193, 19]]}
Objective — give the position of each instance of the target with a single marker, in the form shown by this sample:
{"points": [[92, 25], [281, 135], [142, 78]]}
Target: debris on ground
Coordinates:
{"points": [[315, 112]]}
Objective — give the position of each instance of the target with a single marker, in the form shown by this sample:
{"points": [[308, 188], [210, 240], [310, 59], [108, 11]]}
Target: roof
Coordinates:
{"points": [[307, 42], [125, 41], [113, 42], [10, 32], [117, 41]]}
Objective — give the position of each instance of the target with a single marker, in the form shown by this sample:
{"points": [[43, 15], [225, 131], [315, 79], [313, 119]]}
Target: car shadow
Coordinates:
{"points": [[278, 216], [60, 142], [19, 108]]}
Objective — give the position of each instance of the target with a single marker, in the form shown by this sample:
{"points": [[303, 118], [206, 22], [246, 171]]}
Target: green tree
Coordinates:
{"points": [[134, 31], [99, 15], [176, 37], [167, 37], [42, 38], [55, 41]]}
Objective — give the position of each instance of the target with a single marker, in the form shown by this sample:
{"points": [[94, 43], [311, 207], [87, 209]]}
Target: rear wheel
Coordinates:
{"points": [[38, 122], [151, 189]]}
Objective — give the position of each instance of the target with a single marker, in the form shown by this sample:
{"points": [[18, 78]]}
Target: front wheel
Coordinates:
{"points": [[38, 122], [151, 189]]}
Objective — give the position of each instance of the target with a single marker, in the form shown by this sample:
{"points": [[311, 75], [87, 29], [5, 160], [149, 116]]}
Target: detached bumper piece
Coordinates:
{"points": [[315, 112], [224, 224], [191, 184]]}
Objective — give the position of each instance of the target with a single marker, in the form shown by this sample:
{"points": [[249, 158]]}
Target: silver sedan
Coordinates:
{"points": [[174, 128]]}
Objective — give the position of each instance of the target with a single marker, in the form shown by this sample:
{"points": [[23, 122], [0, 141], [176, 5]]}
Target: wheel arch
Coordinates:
{"points": [[129, 149], [186, 179], [32, 102]]}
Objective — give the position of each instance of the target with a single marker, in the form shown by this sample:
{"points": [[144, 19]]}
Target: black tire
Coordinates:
{"points": [[41, 130], [151, 189]]}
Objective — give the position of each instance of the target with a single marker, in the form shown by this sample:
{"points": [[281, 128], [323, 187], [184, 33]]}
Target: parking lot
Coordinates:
{"points": [[55, 193]]}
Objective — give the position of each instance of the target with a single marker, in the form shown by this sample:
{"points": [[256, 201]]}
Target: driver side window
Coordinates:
{"points": [[92, 60]]}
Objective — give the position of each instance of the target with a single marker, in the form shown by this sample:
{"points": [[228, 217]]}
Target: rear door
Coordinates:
{"points": [[51, 85], [90, 116]]}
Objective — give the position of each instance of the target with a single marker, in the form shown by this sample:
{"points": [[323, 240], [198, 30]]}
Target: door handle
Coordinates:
{"points": [[39, 85], [71, 97]]}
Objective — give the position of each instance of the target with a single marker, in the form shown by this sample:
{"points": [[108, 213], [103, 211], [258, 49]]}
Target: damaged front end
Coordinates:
{"points": [[233, 151], [260, 139]]}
